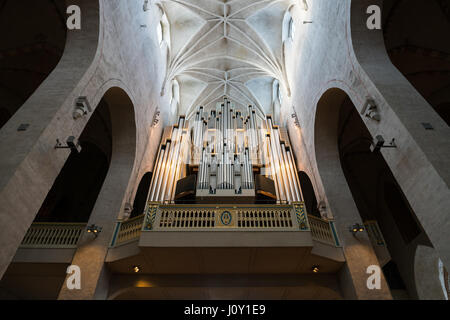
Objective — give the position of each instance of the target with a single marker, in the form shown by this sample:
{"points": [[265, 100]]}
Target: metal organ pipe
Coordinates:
{"points": [[175, 162], [157, 172], [167, 164], [286, 174], [169, 169], [276, 162], [179, 163], [225, 154], [294, 176], [272, 167], [155, 196], [279, 154]]}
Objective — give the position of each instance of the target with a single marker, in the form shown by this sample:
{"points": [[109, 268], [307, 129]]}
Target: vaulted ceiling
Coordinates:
{"points": [[226, 48]]}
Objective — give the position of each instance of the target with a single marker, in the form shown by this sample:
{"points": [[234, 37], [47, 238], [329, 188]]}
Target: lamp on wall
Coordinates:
{"points": [[370, 110], [357, 227], [71, 143], [378, 143], [82, 107], [136, 269], [94, 229]]}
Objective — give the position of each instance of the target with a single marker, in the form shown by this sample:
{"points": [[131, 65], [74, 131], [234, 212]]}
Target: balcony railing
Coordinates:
{"points": [[164, 217], [195, 218], [53, 235], [323, 230], [127, 231]]}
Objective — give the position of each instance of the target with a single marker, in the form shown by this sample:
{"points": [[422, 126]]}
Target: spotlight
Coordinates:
{"points": [[370, 110], [315, 269], [356, 228], [95, 230], [82, 107], [378, 143], [71, 143]]}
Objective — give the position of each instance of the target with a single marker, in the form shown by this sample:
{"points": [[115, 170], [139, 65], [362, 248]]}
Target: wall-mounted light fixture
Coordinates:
{"points": [[315, 269], [370, 110], [71, 143], [356, 228], [136, 269], [378, 143], [94, 229], [82, 107], [156, 117]]}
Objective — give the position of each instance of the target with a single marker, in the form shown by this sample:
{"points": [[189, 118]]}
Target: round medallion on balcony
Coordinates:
{"points": [[225, 218]]}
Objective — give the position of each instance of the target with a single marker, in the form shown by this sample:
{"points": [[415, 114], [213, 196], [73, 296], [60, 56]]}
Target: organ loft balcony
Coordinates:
{"points": [[224, 198], [223, 239]]}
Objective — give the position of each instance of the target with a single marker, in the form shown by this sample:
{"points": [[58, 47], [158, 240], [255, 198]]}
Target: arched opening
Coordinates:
{"points": [[309, 196], [33, 37], [379, 198], [75, 190], [116, 189], [419, 49], [91, 185], [340, 132], [141, 195]]}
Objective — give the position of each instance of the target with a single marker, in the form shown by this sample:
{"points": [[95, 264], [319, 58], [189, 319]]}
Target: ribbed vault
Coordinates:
{"points": [[228, 48]]}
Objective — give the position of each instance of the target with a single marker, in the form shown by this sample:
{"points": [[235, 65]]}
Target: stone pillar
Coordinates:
{"points": [[358, 250], [91, 252], [29, 163], [420, 162]]}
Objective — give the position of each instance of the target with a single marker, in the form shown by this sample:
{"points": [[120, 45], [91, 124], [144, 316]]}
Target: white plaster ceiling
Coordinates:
{"points": [[226, 48]]}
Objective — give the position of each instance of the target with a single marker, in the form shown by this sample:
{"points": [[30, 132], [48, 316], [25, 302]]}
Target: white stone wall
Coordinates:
{"points": [[338, 50], [111, 49]]}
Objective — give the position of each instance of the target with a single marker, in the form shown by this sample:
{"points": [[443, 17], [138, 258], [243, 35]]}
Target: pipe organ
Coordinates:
{"points": [[236, 155]]}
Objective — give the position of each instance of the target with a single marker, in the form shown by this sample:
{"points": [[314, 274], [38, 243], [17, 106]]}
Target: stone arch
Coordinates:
{"points": [[325, 146], [124, 137], [358, 250], [112, 197]]}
